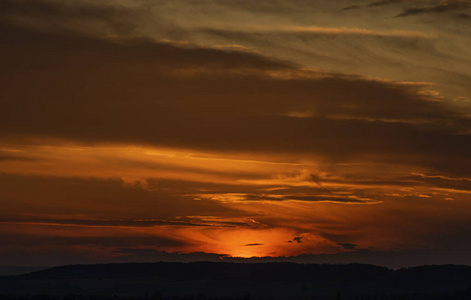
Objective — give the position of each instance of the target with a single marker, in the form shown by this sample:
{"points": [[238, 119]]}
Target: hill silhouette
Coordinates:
{"points": [[165, 280]]}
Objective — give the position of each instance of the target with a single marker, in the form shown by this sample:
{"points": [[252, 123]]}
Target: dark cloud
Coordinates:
{"points": [[135, 240], [445, 6], [16, 158], [250, 245], [132, 91], [47, 257], [392, 259], [375, 4], [444, 182], [308, 198], [347, 246], [351, 7], [152, 255], [383, 2], [465, 16], [180, 221], [58, 255], [32, 197], [67, 16], [273, 7], [297, 239]]}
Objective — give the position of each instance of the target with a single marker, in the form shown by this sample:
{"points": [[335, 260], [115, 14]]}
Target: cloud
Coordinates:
{"points": [[351, 7], [250, 245], [384, 2], [392, 259], [102, 203], [178, 221], [135, 182], [349, 31], [15, 158], [300, 36], [68, 17], [240, 198], [177, 101], [348, 246], [444, 6], [152, 255], [27, 240]]}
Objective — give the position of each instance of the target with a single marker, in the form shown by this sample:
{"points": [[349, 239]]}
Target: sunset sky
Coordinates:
{"points": [[331, 130]]}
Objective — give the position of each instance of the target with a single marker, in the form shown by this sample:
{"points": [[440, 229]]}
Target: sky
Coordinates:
{"points": [[301, 130]]}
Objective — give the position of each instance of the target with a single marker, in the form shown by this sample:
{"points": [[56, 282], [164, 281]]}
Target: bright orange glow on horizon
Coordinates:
{"points": [[279, 210]]}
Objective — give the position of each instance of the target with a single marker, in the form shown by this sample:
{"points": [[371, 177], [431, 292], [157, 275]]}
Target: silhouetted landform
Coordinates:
{"points": [[18, 270], [210, 280]]}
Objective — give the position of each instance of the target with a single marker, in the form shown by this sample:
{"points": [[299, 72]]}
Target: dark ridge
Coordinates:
{"points": [[222, 280], [17, 270], [434, 275], [171, 271]]}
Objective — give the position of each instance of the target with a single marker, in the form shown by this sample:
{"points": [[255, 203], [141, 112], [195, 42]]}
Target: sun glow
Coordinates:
{"points": [[238, 205]]}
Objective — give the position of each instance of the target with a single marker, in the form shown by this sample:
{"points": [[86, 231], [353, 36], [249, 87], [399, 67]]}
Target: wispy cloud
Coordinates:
{"points": [[443, 7]]}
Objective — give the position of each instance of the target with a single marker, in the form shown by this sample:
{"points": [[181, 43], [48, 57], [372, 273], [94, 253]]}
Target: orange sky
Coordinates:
{"points": [[320, 131]]}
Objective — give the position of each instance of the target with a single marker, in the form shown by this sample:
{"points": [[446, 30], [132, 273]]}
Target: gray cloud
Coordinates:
{"points": [[16, 158], [152, 255], [28, 240], [347, 246], [392, 259], [351, 7], [444, 6], [383, 2], [68, 17], [180, 221]]}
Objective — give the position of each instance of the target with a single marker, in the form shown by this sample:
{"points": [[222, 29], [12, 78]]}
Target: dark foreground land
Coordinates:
{"points": [[206, 280]]}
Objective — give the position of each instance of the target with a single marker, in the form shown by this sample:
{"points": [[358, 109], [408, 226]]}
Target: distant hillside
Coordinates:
{"points": [[17, 270], [269, 280], [220, 271]]}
